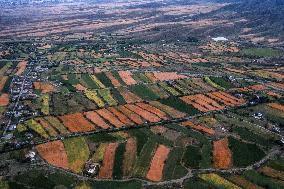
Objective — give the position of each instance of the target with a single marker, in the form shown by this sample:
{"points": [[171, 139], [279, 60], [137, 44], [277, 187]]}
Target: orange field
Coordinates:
{"points": [[129, 156], [198, 127], [155, 172], [153, 110], [21, 67], [225, 98], [113, 80], [129, 97], [4, 99], [126, 76], [3, 80], [120, 116], [143, 113], [276, 106], [202, 103], [131, 115], [110, 117], [76, 123], [222, 156], [96, 119], [108, 162], [54, 153]]}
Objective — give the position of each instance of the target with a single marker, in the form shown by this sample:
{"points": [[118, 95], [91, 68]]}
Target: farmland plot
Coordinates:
{"points": [[54, 153], [76, 123], [155, 172]]}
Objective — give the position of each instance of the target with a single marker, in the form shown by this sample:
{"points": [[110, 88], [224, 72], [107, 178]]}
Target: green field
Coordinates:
{"points": [[260, 52]]}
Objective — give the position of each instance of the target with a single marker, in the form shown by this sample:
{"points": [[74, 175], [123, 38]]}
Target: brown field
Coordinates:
{"points": [[153, 110], [244, 183], [276, 106], [198, 127], [80, 87], [110, 117], [143, 113], [21, 67], [37, 85], [108, 162], [155, 172], [126, 76], [272, 173], [44, 87], [54, 153], [276, 85], [165, 76], [129, 156], [222, 156], [3, 80], [258, 87], [159, 129], [129, 96], [76, 123], [274, 94], [113, 80], [151, 76], [123, 118], [4, 99], [96, 119], [131, 115]]}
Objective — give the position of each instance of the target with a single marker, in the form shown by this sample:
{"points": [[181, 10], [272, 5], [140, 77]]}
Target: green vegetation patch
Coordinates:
{"points": [[118, 162], [107, 96], [89, 81], [173, 168], [260, 52], [250, 136], [144, 92], [222, 82], [101, 138], [213, 84], [72, 79], [191, 157], [178, 104], [104, 79], [197, 183], [243, 153], [36, 127], [40, 179], [262, 180], [77, 152], [116, 94]]}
